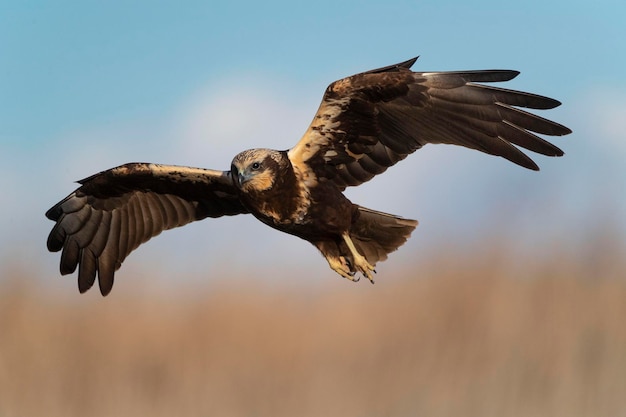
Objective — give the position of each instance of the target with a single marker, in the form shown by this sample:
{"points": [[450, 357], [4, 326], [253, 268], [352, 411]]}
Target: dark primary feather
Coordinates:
{"points": [[113, 212], [370, 121]]}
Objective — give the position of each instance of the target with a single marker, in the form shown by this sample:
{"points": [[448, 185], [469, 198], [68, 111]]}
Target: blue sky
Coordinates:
{"points": [[87, 85]]}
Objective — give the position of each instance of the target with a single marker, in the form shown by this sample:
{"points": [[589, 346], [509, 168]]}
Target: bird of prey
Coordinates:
{"points": [[365, 124]]}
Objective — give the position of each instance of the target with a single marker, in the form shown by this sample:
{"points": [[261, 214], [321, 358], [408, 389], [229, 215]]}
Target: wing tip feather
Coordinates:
{"points": [[395, 67]]}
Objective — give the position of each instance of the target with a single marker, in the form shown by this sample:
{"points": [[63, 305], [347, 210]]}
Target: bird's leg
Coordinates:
{"points": [[358, 260], [340, 266]]}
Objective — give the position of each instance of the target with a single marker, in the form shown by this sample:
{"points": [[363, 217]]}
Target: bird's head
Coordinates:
{"points": [[256, 169]]}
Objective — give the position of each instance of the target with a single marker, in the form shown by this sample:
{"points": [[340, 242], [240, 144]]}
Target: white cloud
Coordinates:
{"points": [[603, 112], [229, 116]]}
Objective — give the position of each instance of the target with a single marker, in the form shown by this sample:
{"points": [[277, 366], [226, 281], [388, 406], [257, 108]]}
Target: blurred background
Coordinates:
{"points": [[509, 300]]}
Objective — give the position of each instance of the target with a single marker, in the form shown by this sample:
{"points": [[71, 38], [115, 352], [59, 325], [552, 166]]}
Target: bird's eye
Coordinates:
{"points": [[256, 166]]}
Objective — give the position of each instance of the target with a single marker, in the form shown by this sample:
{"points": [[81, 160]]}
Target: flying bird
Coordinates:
{"points": [[365, 124]]}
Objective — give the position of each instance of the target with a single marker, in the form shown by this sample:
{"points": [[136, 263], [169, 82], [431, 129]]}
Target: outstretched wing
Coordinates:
{"points": [[369, 121], [115, 211]]}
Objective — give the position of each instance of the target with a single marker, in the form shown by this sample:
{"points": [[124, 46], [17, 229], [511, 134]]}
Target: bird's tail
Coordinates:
{"points": [[377, 234]]}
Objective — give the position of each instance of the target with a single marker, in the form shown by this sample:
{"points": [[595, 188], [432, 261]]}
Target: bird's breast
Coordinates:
{"points": [[320, 213], [278, 206]]}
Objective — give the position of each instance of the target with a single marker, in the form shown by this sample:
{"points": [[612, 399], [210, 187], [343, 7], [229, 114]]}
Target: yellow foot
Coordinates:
{"points": [[364, 267], [359, 262], [341, 266]]}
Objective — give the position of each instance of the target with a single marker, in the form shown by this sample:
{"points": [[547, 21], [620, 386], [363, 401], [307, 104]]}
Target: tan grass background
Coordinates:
{"points": [[460, 336]]}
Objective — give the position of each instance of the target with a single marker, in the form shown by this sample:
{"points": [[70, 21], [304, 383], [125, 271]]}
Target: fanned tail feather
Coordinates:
{"points": [[376, 234]]}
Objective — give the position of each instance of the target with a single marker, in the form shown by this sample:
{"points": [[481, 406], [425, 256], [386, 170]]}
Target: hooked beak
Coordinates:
{"points": [[239, 178]]}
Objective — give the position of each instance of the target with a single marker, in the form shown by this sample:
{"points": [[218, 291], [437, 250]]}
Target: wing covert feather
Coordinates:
{"points": [[115, 211], [370, 121]]}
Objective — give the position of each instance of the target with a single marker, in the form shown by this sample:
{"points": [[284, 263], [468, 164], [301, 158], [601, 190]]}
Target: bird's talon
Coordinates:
{"points": [[353, 277]]}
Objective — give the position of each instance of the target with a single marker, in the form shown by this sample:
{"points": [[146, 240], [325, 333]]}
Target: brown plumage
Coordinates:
{"points": [[365, 124]]}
